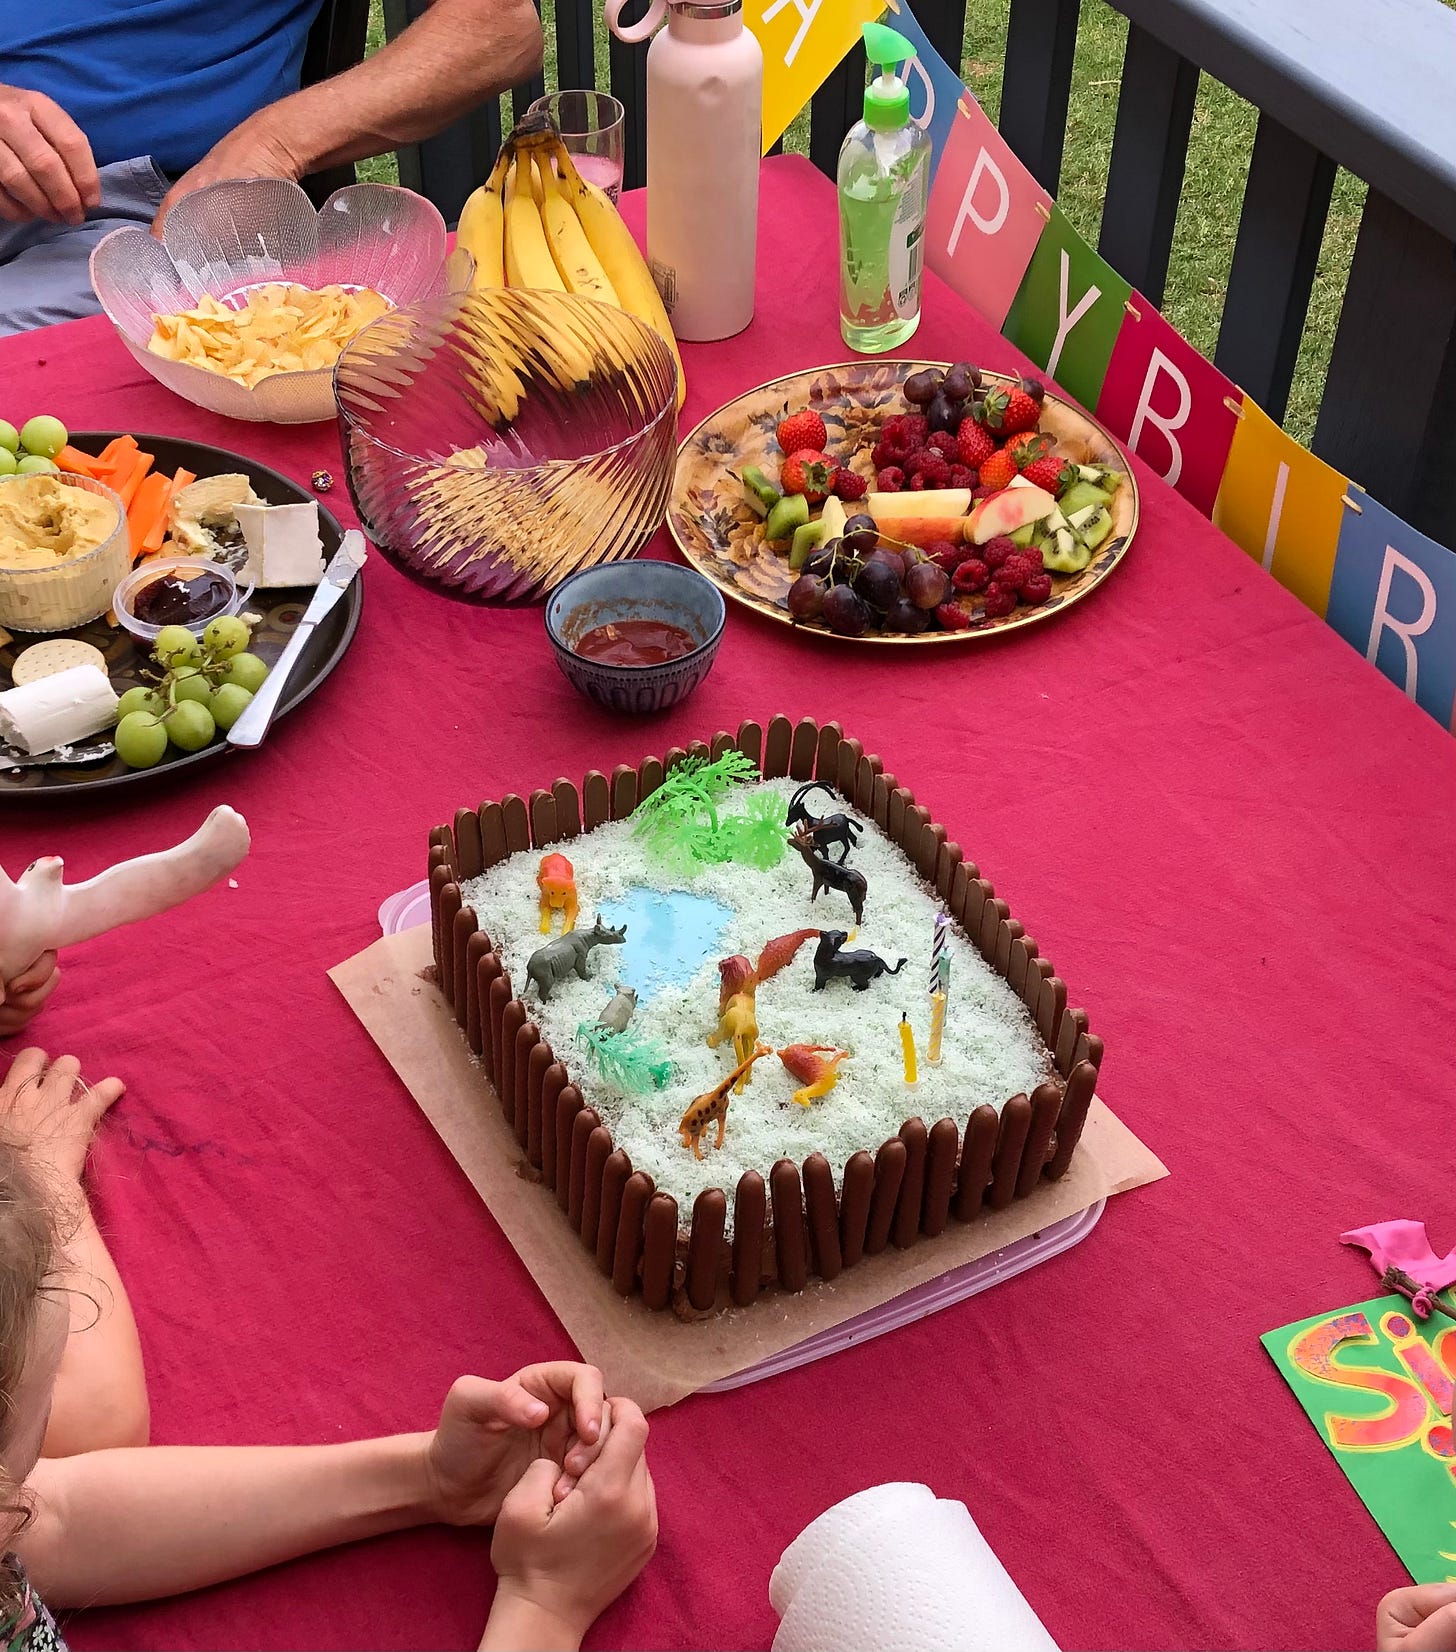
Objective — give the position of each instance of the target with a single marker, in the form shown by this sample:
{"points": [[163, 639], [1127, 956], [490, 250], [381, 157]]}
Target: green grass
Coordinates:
{"points": [[1208, 214]]}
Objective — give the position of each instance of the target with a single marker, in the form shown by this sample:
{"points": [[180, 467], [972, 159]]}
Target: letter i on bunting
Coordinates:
{"points": [[802, 41], [1393, 596], [1282, 506], [1069, 310], [983, 224], [1173, 409]]}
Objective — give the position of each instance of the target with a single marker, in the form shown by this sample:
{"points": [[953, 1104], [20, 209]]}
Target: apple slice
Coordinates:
{"points": [[921, 518], [1005, 512]]}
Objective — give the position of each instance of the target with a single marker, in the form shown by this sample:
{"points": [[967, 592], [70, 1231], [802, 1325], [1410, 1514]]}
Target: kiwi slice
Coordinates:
{"points": [[787, 514], [759, 490], [807, 538]]}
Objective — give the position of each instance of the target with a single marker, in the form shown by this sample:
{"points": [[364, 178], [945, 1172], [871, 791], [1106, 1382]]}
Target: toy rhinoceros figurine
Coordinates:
{"points": [[549, 965]]}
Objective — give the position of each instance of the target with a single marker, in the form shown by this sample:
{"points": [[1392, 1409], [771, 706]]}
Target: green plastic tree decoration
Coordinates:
{"points": [[631, 1061], [684, 825]]}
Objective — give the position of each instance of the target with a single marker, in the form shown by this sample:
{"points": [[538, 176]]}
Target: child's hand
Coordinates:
{"points": [[490, 1433], [22, 998], [1421, 1618], [43, 1103], [560, 1564]]}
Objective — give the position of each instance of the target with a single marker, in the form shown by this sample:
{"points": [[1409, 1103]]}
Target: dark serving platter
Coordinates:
{"points": [[281, 611]]}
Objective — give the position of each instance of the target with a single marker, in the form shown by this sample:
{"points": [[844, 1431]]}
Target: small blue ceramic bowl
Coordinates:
{"points": [[635, 590]]}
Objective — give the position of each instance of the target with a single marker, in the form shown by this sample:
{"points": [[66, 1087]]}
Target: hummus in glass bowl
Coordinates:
{"points": [[64, 548]]}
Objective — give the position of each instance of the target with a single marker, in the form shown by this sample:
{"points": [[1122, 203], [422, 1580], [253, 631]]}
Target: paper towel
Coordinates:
{"points": [[896, 1569]]}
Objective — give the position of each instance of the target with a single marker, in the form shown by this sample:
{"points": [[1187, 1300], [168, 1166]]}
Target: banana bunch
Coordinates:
{"points": [[538, 225]]}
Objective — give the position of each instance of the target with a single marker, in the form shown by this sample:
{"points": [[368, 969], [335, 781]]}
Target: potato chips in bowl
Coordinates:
{"points": [[245, 303]]}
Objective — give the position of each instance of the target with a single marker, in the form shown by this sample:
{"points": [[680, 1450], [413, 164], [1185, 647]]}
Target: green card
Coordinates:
{"points": [[1068, 311], [1377, 1384]]}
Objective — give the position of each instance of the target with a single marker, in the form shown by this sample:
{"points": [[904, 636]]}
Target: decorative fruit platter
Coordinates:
{"points": [[903, 501], [129, 662]]}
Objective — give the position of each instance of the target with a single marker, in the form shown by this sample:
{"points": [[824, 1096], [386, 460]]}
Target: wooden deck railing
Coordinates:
{"points": [[1363, 84]]}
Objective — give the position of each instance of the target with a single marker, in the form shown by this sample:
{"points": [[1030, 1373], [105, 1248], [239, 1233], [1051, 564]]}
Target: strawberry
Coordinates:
{"points": [[801, 430], [974, 445], [848, 484], [1030, 445], [1051, 473], [808, 472], [1008, 409], [997, 472]]}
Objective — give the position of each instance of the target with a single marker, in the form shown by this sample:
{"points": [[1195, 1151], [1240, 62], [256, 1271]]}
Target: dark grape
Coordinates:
{"points": [[960, 382], [826, 561], [861, 535], [944, 414], [1035, 389], [905, 616], [926, 585], [893, 560], [844, 613], [921, 387], [878, 583], [806, 597]]}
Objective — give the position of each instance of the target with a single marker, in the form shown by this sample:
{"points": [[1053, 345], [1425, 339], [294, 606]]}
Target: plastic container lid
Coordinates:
{"points": [[887, 97]]}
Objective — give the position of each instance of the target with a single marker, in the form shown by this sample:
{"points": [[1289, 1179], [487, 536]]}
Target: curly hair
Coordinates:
{"points": [[30, 1243]]}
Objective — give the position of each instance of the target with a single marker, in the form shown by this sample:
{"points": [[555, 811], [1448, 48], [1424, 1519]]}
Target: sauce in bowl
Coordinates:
{"points": [[635, 642]]}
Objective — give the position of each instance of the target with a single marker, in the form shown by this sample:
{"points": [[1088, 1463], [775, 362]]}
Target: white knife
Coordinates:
{"points": [[347, 561]]}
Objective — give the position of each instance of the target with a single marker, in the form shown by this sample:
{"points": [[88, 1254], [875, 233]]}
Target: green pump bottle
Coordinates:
{"points": [[884, 182]]}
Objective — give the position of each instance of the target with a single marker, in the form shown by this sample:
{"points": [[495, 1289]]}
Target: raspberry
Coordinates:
{"points": [[848, 485], [1037, 589], [1032, 553], [974, 445], [916, 460], [891, 479], [884, 453], [918, 483], [947, 554], [984, 492], [893, 426], [952, 617], [995, 551], [972, 575], [999, 601], [935, 471], [945, 445], [1014, 571], [962, 477]]}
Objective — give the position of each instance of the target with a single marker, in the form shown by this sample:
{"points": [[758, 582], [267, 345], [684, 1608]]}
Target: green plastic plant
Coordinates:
{"points": [[684, 826], [627, 1059]]}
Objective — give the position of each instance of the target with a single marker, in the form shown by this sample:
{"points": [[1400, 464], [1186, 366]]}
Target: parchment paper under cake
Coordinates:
{"points": [[657, 1358]]}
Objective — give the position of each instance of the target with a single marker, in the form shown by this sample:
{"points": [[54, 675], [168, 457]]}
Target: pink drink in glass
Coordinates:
{"points": [[605, 171]]}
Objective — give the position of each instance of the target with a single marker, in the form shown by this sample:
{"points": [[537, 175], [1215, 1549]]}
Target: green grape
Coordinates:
{"points": [[188, 683], [141, 698], [175, 645], [226, 635], [34, 464], [190, 725], [7, 462], [228, 703], [141, 741], [247, 671], [9, 436], [43, 435]]}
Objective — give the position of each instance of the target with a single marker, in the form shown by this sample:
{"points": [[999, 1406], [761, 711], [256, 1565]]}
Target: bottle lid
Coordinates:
{"points": [[887, 97], [706, 8]]}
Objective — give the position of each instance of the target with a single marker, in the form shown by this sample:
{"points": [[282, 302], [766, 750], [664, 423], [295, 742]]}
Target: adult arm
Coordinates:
{"points": [[46, 167], [456, 55]]}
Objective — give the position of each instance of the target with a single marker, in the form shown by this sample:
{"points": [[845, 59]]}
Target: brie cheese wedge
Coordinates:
{"points": [[283, 543]]}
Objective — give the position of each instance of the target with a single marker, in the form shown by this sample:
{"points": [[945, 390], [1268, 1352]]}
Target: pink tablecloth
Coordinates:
{"points": [[1229, 833]]}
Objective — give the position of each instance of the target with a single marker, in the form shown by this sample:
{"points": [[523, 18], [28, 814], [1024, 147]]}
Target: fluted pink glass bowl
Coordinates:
{"points": [[228, 238], [497, 441]]}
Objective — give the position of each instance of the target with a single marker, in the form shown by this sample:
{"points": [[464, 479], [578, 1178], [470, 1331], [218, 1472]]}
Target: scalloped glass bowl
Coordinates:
{"points": [[499, 440], [229, 237]]}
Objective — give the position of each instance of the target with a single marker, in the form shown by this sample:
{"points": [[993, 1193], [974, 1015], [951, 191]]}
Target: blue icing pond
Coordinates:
{"points": [[670, 933]]}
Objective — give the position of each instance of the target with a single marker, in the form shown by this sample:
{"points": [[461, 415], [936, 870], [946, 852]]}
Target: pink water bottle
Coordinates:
{"points": [[704, 139]]}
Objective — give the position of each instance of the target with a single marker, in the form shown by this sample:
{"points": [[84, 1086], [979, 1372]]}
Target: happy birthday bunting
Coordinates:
{"points": [[1068, 310], [803, 42], [935, 88], [1282, 506]]}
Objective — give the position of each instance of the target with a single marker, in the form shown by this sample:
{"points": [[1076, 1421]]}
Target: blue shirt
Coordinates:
{"points": [[165, 78]]}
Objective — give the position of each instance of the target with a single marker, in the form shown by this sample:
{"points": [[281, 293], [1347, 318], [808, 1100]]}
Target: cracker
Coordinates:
{"points": [[55, 654]]}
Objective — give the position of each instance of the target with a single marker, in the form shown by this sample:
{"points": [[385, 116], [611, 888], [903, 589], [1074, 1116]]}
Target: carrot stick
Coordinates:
{"points": [[111, 455], [78, 463], [126, 486], [148, 507], [152, 540]]}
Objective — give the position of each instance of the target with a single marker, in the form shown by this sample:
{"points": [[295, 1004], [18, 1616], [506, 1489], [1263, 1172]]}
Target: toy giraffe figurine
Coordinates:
{"points": [[40, 912], [713, 1104], [816, 1066], [557, 882]]}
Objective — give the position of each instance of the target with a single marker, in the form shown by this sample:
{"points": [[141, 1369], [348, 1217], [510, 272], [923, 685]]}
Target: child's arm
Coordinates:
{"points": [[135, 1524], [123, 1525], [22, 997]]}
